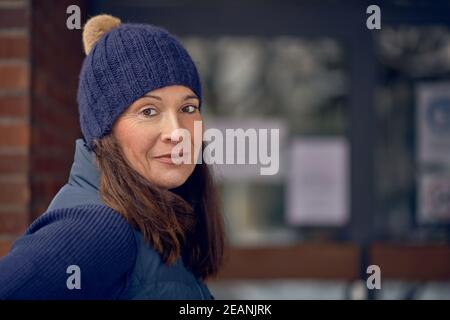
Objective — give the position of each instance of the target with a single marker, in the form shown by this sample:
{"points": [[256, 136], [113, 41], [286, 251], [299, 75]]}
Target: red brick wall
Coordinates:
{"points": [[14, 118], [56, 60], [40, 60]]}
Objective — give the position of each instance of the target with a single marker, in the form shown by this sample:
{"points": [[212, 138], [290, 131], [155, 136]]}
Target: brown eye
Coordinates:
{"points": [[149, 112], [189, 109]]}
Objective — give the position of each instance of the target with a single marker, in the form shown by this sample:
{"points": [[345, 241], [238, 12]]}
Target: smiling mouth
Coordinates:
{"points": [[167, 158]]}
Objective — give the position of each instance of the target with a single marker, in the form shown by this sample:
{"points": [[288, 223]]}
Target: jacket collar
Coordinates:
{"points": [[84, 172]]}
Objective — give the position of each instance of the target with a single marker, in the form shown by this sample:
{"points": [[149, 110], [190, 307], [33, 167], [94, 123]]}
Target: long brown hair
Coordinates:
{"points": [[184, 221]]}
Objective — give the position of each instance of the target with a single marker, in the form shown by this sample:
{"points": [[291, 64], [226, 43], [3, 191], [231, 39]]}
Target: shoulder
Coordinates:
{"points": [[97, 229], [94, 238], [89, 222], [87, 216]]}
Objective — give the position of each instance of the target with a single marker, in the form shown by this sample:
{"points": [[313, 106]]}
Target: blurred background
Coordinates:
{"points": [[364, 120]]}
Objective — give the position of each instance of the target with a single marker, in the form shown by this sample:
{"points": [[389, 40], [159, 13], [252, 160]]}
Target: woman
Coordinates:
{"points": [[131, 223]]}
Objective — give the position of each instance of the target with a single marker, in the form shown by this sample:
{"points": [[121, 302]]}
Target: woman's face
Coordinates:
{"points": [[144, 131]]}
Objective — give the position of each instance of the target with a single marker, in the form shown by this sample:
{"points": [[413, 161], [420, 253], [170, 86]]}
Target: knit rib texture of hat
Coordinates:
{"points": [[123, 62]]}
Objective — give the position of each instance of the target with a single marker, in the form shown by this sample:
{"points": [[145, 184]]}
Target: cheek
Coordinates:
{"points": [[136, 140], [196, 131], [192, 127]]}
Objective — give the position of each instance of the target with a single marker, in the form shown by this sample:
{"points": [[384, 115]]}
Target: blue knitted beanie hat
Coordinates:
{"points": [[125, 61]]}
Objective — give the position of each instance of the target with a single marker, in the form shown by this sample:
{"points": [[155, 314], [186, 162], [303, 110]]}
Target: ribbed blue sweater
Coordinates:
{"points": [[99, 241]]}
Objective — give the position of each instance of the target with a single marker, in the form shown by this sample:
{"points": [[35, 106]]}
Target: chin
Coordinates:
{"points": [[170, 181]]}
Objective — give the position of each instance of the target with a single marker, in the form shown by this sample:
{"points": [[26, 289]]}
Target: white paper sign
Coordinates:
{"points": [[433, 123], [318, 182], [434, 198]]}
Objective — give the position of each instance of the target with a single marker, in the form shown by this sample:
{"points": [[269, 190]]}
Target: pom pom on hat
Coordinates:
{"points": [[96, 27]]}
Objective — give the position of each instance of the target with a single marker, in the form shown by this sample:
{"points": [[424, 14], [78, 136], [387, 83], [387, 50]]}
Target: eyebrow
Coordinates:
{"points": [[186, 97]]}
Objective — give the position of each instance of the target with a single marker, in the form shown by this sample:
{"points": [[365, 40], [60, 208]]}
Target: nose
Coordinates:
{"points": [[171, 123]]}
